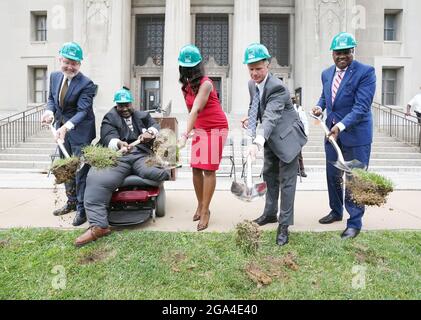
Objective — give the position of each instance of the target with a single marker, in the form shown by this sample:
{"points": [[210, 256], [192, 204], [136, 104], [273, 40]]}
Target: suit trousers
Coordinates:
{"points": [[75, 189], [335, 182], [101, 184], [280, 175]]}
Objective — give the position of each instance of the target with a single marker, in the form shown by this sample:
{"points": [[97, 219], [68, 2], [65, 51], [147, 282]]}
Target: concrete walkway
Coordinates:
{"points": [[33, 208]]}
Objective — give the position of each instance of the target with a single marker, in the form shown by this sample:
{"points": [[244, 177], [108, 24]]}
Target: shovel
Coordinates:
{"points": [[247, 191], [340, 164]]}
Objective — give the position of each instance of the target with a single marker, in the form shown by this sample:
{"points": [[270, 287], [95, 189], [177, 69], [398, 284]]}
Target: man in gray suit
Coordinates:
{"points": [[281, 134]]}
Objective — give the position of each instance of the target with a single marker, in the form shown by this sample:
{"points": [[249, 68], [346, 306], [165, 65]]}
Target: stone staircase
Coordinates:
{"points": [[388, 154]]}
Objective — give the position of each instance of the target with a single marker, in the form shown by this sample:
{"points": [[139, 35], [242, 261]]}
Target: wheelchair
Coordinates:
{"points": [[136, 201]]}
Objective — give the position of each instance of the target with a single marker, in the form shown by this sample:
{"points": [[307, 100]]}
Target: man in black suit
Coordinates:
{"points": [[121, 126]]}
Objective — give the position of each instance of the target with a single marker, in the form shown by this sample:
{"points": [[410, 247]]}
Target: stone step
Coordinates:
{"points": [[24, 157], [41, 145], [22, 150], [43, 165], [405, 149]]}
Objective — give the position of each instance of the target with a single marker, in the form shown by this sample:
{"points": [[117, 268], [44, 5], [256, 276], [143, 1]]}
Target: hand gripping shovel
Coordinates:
{"points": [[340, 164], [248, 192]]}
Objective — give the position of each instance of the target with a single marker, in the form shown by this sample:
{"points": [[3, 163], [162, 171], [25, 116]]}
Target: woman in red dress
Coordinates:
{"points": [[208, 123]]}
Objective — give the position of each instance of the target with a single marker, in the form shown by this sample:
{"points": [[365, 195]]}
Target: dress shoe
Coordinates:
{"points": [[92, 234], [264, 220], [80, 218], [329, 219], [67, 208], [282, 235], [201, 227], [350, 233]]}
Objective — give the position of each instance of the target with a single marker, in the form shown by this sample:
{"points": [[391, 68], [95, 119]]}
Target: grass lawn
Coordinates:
{"points": [[43, 264]]}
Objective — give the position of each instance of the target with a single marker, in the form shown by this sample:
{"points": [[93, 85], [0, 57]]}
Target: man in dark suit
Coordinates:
{"points": [[70, 103], [281, 134], [348, 91], [120, 127]]}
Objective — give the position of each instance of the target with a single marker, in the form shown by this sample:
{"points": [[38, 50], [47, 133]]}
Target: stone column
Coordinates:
{"points": [[103, 30], [246, 31], [177, 34]]}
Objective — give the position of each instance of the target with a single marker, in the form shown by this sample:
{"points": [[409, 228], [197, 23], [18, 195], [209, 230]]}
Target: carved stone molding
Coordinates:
{"points": [[330, 17], [98, 24], [213, 69]]}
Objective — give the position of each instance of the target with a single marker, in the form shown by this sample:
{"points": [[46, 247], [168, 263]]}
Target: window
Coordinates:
{"points": [[390, 27], [150, 39], [37, 84], [212, 37], [389, 85], [274, 34], [39, 26], [150, 93]]}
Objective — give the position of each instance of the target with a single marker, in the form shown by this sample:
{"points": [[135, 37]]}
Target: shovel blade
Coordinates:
{"points": [[348, 166], [243, 193]]}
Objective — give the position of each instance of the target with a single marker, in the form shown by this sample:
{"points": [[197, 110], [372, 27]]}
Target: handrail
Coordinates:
{"points": [[18, 127], [397, 124]]}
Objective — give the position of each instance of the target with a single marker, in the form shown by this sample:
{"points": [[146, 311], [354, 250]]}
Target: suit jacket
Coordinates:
{"points": [[113, 126], [77, 106], [352, 105], [281, 126]]}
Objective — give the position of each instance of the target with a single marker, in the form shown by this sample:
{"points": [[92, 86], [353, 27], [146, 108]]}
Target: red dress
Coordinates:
{"points": [[210, 131]]}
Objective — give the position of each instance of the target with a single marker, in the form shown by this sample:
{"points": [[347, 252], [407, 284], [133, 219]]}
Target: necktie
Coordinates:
{"points": [[129, 123], [253, 114], [63, 91], [336, 83]]}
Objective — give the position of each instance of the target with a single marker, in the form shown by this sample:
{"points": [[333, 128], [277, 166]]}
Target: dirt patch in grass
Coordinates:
{"points": [[65, 169], [368, 188], [268, 269], [97, 256], [175, 259], [366, 255], [4, 243], [247, 237]]}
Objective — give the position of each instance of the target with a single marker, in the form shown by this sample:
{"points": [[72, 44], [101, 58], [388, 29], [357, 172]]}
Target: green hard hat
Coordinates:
{"points": [[256, 52], [189, 56], [72, 51], [343, 41], [123, 96]]}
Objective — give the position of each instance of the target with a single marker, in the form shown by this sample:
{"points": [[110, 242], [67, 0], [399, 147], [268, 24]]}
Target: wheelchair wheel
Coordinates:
{"points": [[160, 203]]}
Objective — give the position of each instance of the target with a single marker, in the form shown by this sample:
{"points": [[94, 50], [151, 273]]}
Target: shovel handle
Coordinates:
{"points": [[330, 138], [249, 178], [59, 142]]}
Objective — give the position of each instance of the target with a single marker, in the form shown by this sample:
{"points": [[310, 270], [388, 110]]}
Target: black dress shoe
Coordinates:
{"points": [[329, 219], [264, 220], [350, 233], [282, 235], [67, 208], [80, 218]]}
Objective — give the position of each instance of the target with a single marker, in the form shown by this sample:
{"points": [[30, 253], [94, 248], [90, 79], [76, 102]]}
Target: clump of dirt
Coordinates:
{"points": [[368, 188], [247, 237], [100, 157], [257, 275], [97, 255], [265, 270], [166, 153], [65, 169]]}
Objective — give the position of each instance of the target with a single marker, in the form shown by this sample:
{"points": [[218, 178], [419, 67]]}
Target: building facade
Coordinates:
{"points": [[136, 43]]}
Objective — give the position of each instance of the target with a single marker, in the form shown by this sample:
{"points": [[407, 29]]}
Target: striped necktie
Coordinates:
{"points": [[337, 83], [252, 126]]}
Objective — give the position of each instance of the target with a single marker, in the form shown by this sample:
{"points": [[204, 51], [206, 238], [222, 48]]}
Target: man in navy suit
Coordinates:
{"points": [[348, 91], [70, 103]]}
